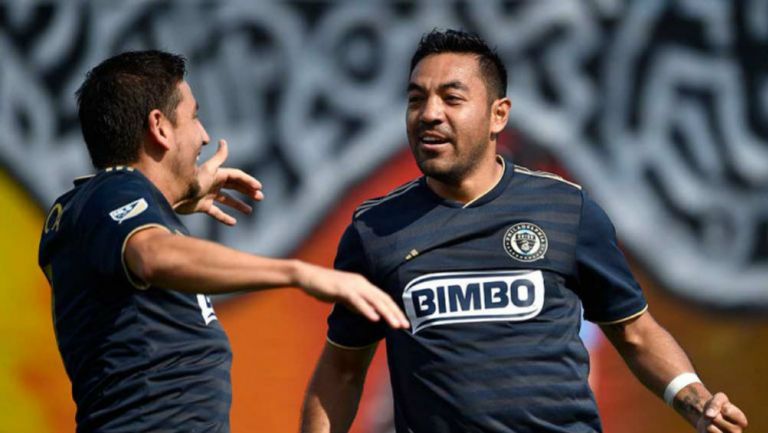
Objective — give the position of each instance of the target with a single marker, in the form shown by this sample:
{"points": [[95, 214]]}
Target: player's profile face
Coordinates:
{"points": [[190, 136], [448, 116]]}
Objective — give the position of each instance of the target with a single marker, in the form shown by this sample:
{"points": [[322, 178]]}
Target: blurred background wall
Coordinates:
{"points": [[659, 108]]}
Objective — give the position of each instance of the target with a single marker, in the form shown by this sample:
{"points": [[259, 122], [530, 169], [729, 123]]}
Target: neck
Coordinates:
{"points": [[473, 186], [161, 177]]}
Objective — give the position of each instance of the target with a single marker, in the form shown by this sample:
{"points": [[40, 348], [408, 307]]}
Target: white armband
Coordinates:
{"points": [[677, 384]]}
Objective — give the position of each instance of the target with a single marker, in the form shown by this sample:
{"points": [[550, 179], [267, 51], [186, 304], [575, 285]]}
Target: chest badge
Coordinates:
{"points": [[525, 242]]}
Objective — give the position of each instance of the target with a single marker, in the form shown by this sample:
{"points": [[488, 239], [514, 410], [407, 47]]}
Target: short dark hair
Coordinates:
{"points": [[457, 41], [116, 98]]}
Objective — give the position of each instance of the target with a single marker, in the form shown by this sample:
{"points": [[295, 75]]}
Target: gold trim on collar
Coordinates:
{"points": [[503, 171]]}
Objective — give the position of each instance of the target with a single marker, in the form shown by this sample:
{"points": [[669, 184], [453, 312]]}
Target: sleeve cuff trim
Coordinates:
{"points": [[341, 346], [630, 317]]}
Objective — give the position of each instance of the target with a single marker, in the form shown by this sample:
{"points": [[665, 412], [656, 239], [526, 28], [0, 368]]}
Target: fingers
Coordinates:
{"points": [[384, 305], [220, 156], [733, 414], [730, 419], [727, 427], [714, 405], [392, 313], [722, 416], [359, 304], [242, 183], [226, 199], [354, 291], [221, 216]]}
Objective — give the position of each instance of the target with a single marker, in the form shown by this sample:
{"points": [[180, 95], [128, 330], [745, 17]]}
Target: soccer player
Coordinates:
{"points": [[492, 264], [138, 335]]}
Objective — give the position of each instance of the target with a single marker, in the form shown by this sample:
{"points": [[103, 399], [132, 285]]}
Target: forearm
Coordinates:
{"points": [[656, 358], [330, 405], [198, 266], [333, 395]]}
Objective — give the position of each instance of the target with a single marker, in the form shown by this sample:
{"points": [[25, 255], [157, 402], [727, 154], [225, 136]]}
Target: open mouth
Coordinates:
{"points": [[431, 141]]}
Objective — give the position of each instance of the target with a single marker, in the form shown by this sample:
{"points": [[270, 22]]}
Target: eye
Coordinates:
{"points": [[453, 99], [414, 99]]}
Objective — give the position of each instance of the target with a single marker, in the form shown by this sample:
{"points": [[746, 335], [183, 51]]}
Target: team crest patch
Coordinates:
{"points": [[525, 242], [129, 211]]}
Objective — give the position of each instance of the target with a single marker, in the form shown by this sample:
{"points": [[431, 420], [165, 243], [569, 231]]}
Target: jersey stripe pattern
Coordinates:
{"points": [[139, 358], [495, 292]]}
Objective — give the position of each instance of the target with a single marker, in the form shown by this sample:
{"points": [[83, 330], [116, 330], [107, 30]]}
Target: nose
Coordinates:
{"points": [[432, 111], [206, 138]]}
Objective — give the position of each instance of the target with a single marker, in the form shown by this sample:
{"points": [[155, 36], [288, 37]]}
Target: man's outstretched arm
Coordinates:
{"points": [[656, 359], [157, 257], [335, 389]]}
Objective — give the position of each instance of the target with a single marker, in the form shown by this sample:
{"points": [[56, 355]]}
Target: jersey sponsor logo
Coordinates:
{"points": [[464, 297], [206, 309], [129, 211], [525, 242]]}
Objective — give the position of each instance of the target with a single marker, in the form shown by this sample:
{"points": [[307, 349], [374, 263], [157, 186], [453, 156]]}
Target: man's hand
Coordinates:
{"points": [[721, 416], [213, 179], [352, 290]]}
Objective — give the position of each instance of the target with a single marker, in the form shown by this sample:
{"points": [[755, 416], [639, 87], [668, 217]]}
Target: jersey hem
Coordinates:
{"points": [[137, 284], [624, 319], [341, 346]]}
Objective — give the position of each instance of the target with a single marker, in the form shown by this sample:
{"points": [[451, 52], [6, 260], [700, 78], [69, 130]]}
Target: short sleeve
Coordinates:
{"points": [[346, 328], [119, 208], [607, 288]]}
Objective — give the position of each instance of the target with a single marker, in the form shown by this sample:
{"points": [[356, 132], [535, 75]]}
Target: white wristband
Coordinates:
{"points": [[677, 384]]}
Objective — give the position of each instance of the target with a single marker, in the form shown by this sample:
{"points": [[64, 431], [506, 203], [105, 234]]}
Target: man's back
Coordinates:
{"points": [[139, 358]]}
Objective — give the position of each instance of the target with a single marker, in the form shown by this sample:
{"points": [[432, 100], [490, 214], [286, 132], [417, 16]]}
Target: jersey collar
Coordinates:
{"points": [[82, 179], [483, 198]]}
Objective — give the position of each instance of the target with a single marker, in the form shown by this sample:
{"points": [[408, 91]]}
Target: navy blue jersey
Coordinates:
{"points": [[494, 292], [139, 358]]}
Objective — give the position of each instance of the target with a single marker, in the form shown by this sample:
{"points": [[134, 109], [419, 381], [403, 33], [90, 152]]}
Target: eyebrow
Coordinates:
{"points": [[458, 85]]}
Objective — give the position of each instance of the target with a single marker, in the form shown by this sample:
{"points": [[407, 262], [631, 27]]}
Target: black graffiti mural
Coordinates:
{"points": [[659, 108]]}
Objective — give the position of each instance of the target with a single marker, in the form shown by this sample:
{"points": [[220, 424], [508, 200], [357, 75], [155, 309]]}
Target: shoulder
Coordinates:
{"points": [[398, 198], [548, 190], [594, 219], [117, 193], [545, 179]]}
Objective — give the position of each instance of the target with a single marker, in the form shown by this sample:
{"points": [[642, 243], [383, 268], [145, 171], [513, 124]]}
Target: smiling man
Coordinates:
{"points": [[492, 263], [139, 337]]}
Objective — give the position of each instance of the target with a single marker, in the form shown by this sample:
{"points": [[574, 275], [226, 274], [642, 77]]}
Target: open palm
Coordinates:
{"points": [[214, 180]]}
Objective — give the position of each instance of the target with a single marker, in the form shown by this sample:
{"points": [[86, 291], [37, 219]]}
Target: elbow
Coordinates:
{"points": [[634, 335], [352, 378]]}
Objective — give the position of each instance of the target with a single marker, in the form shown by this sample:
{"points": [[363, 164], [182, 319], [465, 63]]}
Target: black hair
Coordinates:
{"points": [[456, 41], [116, 98]]}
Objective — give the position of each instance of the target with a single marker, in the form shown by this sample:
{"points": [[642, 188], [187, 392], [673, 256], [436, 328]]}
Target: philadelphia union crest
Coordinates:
{"points": [[525, 242]]}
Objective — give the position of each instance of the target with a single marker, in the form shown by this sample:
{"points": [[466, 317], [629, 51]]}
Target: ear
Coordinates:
{"points": [[160, 129], [499, 115]]}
